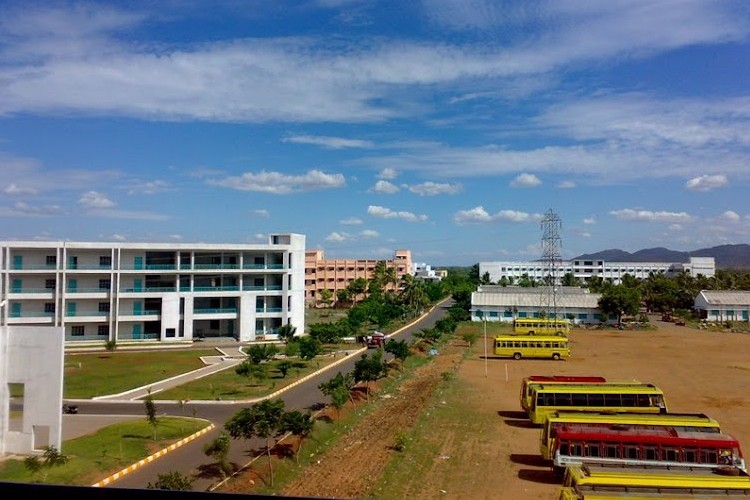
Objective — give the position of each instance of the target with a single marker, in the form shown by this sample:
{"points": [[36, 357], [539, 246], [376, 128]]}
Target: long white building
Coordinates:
{"points": [[583, 269], [131, 292]]}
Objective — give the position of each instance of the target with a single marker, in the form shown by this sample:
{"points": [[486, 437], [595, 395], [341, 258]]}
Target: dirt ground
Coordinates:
{"points": [[699, 371]]}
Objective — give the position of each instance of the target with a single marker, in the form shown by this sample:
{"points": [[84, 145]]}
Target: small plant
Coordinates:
{"points": [[400, 441], [447, 376]]}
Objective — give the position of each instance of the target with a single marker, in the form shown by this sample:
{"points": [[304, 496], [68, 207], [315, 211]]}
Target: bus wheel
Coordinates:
{"points": [[555, 356], [517, 355]]}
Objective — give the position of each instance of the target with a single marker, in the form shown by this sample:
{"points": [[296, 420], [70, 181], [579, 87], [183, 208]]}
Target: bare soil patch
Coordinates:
{"points": [[699, 371]]}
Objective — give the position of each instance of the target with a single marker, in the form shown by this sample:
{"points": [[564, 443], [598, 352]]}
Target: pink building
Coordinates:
{"points": [[336, 274]]}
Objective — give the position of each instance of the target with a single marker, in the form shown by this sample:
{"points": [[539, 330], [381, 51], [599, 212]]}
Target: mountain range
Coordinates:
{"points": [[725, 256]]}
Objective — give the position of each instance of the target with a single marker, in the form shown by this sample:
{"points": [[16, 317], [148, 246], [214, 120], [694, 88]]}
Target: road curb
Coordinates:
{"points": [[151, 458]]}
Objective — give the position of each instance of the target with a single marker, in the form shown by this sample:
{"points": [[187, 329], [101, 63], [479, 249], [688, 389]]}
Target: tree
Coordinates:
{"points": [[299, 424], [254, 371], [261, 420], [151, 412], [50, 458], [309, 348], [284, 366], [171, 481], [218, 449], [619, 300], [469, 337], [399, 349], [345, 381], [261, 352], [326, 298], [368, 369], [485, 279], [339, 396], [286, 333], [110, 345]]}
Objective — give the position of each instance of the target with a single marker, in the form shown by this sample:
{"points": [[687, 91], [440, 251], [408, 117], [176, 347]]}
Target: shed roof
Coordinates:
{"points": [[726, 297], [525, 299]]}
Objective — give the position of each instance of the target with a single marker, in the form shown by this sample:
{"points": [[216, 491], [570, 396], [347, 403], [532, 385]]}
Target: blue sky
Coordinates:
{"points": [[447, 127]]}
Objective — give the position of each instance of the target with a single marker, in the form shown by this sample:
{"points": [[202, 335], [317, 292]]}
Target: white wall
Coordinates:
{"points": [[34, 357]]}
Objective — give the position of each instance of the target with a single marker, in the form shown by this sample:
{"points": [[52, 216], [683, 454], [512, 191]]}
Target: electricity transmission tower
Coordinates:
{"points": [[551, 260]]}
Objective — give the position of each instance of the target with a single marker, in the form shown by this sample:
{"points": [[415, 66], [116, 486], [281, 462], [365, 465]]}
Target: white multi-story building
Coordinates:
{"points": [[424, 271], [131, 292], [583, 269]]}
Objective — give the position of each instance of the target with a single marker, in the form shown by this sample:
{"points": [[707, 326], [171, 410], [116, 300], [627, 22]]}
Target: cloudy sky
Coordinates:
{"points": [[447, 127]]}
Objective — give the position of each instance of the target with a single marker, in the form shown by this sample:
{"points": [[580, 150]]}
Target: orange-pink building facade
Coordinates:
{"points": [[336, 274]]}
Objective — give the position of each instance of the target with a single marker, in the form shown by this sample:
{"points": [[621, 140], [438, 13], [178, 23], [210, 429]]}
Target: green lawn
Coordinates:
{"points": [[227, 385], [97, 374], [96, 456]]}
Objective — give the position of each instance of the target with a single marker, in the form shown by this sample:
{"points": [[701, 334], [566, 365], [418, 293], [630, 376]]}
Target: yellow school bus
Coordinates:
{"points": [[615, 398], [532, 346], [541, 326]]}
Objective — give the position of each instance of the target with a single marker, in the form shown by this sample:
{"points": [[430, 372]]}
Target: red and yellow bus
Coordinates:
{"points": [[698, 422], [533, 380], [577, 444]]}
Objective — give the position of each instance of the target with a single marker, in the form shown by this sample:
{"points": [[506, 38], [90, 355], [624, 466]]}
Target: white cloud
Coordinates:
{"points": [[369, 233], [675, 227], [388, 173], [730, 216], [149, 187], [261, 212], [119, 237], [329, 142], [15, 190], [566, 185], [351, 221], [22, 209], [706, 182], [476, 214], [589, 220], [434, 188], [337, 237], [95, 200], [480, 215], [385, 187], [280, 183], [525, 180], [387, 213], [650, 216]]}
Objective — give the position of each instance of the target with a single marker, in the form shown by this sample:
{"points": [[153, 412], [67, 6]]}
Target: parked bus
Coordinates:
{"points": [[533, 380], [532, 346], [577, 444], [616, 398], [698, 422], [541, 326], [638, 493], [667, 482]]}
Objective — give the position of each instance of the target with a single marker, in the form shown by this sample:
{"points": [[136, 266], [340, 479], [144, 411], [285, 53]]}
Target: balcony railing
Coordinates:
{"points": [[268, 309], [87, 290], [30, 314], [216, 310], [76, 314], [31, 290]]}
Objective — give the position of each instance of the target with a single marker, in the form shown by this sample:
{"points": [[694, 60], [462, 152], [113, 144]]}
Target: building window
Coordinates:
{"points": [[49, 307], [51, 260], [77, 331], [102, 330], [105, 284], [49, 284], [104, 307], [105, 261]]}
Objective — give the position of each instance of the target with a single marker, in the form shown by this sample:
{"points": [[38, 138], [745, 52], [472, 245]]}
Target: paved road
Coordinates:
{"points": [[190, 457]]}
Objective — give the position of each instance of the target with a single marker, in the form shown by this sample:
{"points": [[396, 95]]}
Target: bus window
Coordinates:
{"points": [[576, 450], [630, 452], [709, 457], [592, 450], [579, 399], [690, 455], [671, 454], [610, 450], [596, 399], [651, 452]]}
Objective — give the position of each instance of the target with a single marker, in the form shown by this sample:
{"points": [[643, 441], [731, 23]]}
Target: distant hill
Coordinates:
{"points": [[726, 256]]}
